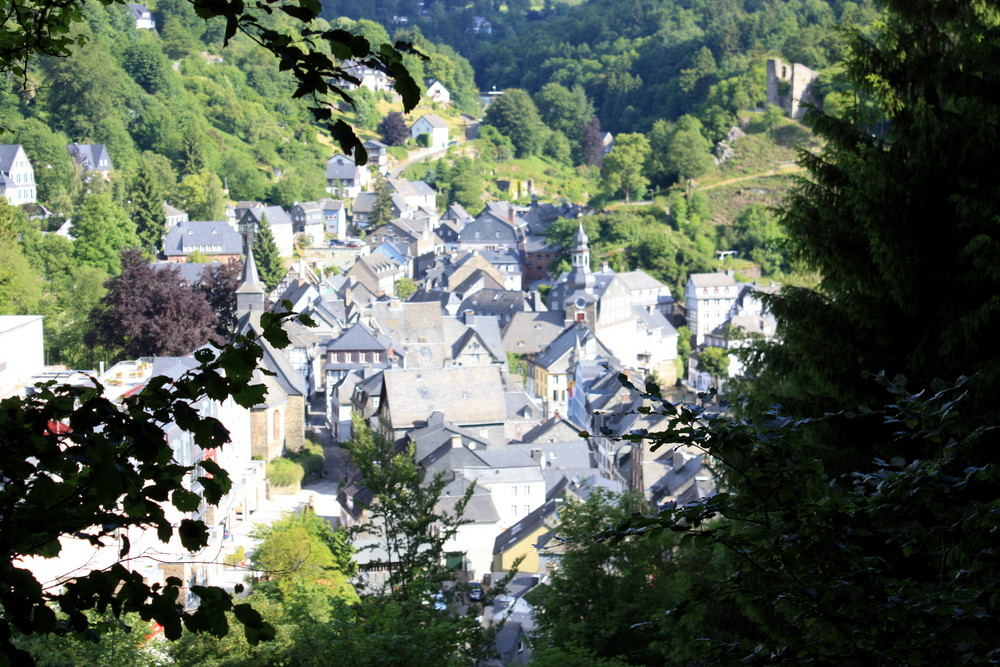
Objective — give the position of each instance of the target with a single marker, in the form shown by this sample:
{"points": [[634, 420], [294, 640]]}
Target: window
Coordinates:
{"points": [[277, 424], [514, 490], [527, 490], [334, 357], [513, 510], [527, 509], [348, 357], [362, 357], [376, 356]]}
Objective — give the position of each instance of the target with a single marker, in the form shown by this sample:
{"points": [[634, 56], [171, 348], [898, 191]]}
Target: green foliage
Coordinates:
{"points": [[311, 457], [201, 195], [894, 214], [147, 206], [110, 471], [515, 116], [115, 644], [624, 168], [265, 253], [620, 582], [405, 288], [760, 238], [101, 230], [688, 152], [285, 472], [298, 549], [715, 362], [810, 557], [20, 287]]}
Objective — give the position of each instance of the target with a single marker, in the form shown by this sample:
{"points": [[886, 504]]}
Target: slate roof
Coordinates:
{"points": [[563, 345], [530, 523], [428, 439], [712, 279], [479, 509], [90, 156], [7, 154], [465, 394], [289, 379], [190, 272], [488, 328], [341, 171], [186, 236], [475, 281], [532, 332], [433, 120], [554, 429], [640, 280], [654, 320], [494, 302], [359, 337]]}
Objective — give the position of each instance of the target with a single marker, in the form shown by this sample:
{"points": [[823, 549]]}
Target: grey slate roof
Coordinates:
{"points": [[554, 429], [531, 332], [186, 236], [712, 279], [7, 154], [563, 345], [91, 156], [190, 272], [359, 337], [465, 394]]}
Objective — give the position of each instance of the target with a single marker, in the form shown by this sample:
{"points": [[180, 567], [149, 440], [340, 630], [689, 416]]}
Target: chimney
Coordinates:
{"points": [[456, 442], [510, 213], [679, 459], [605, 267]]}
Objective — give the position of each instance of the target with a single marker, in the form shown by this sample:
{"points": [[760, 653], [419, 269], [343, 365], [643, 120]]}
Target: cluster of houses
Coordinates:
{"points": [[490, 370]]}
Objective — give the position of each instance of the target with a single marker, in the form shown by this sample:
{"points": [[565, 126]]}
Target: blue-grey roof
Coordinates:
{"points": [[92, 157], [190, 272], [576, 334], [7, 154], [191, 235], [359, 337]]}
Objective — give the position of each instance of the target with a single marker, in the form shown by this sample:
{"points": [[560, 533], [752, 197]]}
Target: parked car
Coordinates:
{"points": [[475, 591], [335, 243]]}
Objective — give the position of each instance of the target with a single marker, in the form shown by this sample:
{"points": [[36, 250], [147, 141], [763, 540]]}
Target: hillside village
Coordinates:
{"points": [[488, 381], [446, 332]]}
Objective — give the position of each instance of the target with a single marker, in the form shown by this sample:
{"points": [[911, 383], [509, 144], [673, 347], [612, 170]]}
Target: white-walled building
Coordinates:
{"points": [[17, 177], [434, 127], [22, 351], [709, 298]]}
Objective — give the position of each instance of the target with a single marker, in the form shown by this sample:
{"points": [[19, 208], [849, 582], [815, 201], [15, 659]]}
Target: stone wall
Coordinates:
{"points": [[789, 86]]}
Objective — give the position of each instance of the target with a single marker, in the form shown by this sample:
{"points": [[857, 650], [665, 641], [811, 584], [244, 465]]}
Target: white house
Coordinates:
{"points": [[143, 17], [434, 127], [438, 93], [22, 353], [17, 178], [344, 178], [709, 298]]}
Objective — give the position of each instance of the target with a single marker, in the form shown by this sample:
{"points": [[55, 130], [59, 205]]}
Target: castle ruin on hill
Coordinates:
{"points": [[790, 86]]}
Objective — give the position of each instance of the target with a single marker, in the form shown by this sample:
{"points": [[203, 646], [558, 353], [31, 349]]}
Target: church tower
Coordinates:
{"points": [[580, 276], [250, 293]]}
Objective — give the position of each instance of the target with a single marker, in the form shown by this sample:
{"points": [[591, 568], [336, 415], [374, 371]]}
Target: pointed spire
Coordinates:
{"points": [[580, 239], [250, 292]]}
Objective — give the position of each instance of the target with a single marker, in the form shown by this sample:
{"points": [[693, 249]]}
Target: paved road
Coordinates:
{"points": [[420, 156]]}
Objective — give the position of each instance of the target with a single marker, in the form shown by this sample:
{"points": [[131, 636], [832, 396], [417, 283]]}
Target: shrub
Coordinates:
{"points": [[285, 472], [310, 457]]}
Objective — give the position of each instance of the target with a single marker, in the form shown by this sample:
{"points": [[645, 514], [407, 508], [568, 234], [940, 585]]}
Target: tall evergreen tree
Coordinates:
{"points": [[899, 217], [265, 253], [102, 230], [147, 208], [382, 208]]}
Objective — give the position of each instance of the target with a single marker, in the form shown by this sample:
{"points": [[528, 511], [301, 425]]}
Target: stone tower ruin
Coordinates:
{"points": [[789, 86]]}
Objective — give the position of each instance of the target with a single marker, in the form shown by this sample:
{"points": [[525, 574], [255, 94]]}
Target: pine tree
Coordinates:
{"points": [[382, 208], [265, 253], [147, 209], [899, 218]]}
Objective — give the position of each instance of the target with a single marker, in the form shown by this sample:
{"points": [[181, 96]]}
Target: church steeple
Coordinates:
{"points": [[250, 293], [580, 277]]}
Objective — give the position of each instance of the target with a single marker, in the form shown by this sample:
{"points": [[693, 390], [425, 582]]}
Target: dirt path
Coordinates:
{"points": [[786, 168]]}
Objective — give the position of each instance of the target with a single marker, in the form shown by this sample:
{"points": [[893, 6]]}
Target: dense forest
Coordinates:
{"points": [[637, 61]]}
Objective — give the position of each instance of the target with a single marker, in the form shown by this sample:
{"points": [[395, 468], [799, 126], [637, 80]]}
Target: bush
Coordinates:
{"points": [[310, 457], [285, 472]]}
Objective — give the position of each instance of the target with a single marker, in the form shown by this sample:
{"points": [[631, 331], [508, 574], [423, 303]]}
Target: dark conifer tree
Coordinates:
{"points": [[265, 252], [898, 216], [591, 145], [147, 208]]}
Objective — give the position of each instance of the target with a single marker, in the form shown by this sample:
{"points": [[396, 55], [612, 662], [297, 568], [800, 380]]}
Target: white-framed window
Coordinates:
{"points": [[376, 356], [334, 357]]}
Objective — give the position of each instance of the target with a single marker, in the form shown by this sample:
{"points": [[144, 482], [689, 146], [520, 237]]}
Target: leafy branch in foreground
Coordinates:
{"points": [[75, 464], [893, 564], [33, 27]]}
